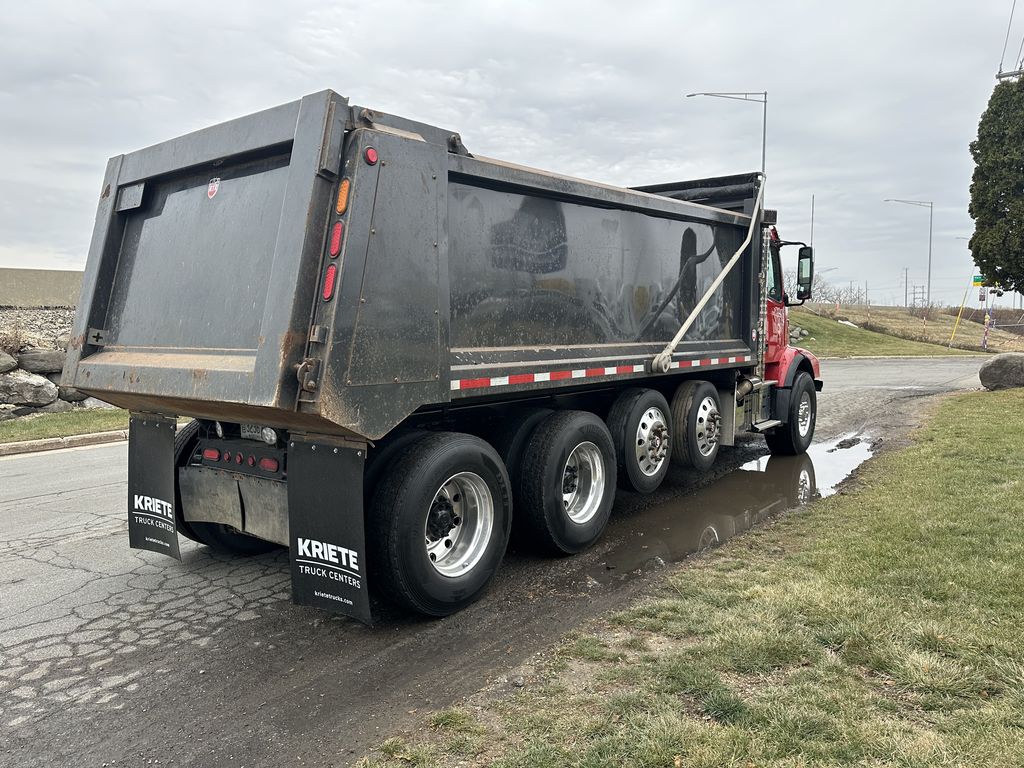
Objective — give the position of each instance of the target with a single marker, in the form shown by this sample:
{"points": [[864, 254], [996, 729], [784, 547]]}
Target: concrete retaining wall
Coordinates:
{"points": [[39, 287]]}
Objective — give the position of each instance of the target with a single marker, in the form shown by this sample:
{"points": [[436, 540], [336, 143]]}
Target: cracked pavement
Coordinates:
{"points": [[110, 656]]}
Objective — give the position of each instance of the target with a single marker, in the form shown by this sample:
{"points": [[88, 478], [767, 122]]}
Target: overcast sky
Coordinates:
{"points": [[866, 101]]}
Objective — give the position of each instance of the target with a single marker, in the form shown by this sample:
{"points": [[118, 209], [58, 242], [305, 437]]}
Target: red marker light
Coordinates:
{"points": [[336, 234], [211, 453], [332, 273], [239, 458], [370, 155], [268, 464], [251, 461]]}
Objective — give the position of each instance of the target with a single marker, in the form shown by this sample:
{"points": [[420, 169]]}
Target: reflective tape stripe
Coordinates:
{"points": [[585, 373]]}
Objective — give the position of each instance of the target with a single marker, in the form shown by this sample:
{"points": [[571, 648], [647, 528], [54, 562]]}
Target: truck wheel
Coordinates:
{"points": [[382, 456], [568, 481], [185, 441], [214, 535], [509, 440], [439, 522], [223, 538], [696, 425], [796, 433], [639, 424]]}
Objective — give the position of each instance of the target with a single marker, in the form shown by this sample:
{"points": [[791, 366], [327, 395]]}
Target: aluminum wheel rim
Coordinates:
{"points": [[583, 480], [803, 416], [459, 524], [707, 426], [651, 441]]}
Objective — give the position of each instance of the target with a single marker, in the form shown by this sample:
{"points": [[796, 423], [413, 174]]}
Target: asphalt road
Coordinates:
{"points": [[113, 656]]}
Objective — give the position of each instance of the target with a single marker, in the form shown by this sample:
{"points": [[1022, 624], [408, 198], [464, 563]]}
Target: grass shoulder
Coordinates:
{"points": [[831, 338], [880, 626], [78, 422]]}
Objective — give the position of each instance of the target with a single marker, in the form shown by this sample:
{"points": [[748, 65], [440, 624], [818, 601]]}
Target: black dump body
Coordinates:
{"points": [[220, 285]]}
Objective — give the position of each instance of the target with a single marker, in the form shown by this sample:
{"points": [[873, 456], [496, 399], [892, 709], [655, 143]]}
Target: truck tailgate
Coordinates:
{"points": [[205, 259]]}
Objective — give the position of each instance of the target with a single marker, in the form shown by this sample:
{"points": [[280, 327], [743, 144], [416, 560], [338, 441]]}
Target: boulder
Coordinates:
{"points": [[57, 406], [70, 394], [55, 378], [92, 402], [7, 411], [7, 363], [1004, 371], [19, 387], [42, 360]]}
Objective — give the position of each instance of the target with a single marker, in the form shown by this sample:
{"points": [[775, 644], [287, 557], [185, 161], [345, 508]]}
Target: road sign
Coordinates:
{"points": [[979, 280]]}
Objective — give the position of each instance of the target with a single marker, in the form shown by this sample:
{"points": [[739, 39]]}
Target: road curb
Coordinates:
{"points": [[56, 443]]}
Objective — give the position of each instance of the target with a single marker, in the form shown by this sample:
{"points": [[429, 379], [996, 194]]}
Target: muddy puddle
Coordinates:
{"points": [[759, 489]]}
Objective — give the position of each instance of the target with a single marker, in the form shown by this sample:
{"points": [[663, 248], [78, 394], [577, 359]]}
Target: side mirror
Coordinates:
{"points": [[804, 273]]}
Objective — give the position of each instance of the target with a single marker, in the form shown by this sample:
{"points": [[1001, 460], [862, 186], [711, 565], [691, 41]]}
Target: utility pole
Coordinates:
{"points": [[866, 301], [906, 287], [931, 211]]}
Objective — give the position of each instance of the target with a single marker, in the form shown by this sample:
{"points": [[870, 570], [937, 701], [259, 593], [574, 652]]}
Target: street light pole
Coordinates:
{"points": [[760, 97], [930, 205]]}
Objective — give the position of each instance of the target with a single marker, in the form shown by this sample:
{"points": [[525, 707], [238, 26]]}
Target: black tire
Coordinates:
{"points": [[788, 440], [214, 535], [223, 538], [543, 473], [379, 459], [509, 440], [398, 519], [690, 425], [630, 424], [185, 441]]}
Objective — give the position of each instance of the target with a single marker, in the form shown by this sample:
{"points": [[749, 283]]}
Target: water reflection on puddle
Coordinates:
{"points": [[757, 490]]}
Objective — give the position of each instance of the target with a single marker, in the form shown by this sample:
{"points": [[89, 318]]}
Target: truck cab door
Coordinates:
{"points": [[777, 330]]}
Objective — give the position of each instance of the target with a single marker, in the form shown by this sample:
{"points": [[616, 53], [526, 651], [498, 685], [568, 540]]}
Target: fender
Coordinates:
{"points": [[784, 371]]}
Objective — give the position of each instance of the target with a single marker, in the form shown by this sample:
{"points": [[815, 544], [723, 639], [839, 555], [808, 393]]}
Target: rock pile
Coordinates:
{"points": [[30, 384], [44, 328]]}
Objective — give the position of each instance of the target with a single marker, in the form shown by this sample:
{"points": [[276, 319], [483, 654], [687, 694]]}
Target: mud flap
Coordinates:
{"points": [[325, 523], [151, 484]]}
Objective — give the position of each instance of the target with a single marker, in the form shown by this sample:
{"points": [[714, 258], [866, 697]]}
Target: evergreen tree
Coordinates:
{"points": [[997, 188]]}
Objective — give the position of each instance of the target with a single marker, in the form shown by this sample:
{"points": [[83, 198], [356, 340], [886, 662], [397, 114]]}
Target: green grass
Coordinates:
{"points": [[935, 326], [830, 338], [77, 422], [879, 627]]}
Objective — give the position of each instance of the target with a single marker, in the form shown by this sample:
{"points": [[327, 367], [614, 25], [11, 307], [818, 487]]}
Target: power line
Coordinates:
{"points": [[1007, 40]]}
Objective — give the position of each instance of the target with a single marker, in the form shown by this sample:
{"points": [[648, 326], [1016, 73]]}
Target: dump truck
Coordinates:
{"points": [[394, 352]]}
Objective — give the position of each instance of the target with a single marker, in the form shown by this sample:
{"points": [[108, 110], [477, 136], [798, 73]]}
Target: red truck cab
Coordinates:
{"points": [[784, 363]]}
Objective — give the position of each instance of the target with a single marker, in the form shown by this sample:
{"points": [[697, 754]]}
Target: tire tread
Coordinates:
{"points": [[406, 473], [541, 445]]}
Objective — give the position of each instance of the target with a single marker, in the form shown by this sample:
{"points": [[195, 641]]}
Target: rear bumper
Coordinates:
{"points": [[248, 504]]}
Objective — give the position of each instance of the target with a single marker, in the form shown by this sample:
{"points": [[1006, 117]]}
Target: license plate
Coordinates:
{"points": [[251, 431]]}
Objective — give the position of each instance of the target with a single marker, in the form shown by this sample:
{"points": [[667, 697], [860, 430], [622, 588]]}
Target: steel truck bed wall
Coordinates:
{"points": [[459, 277]]}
